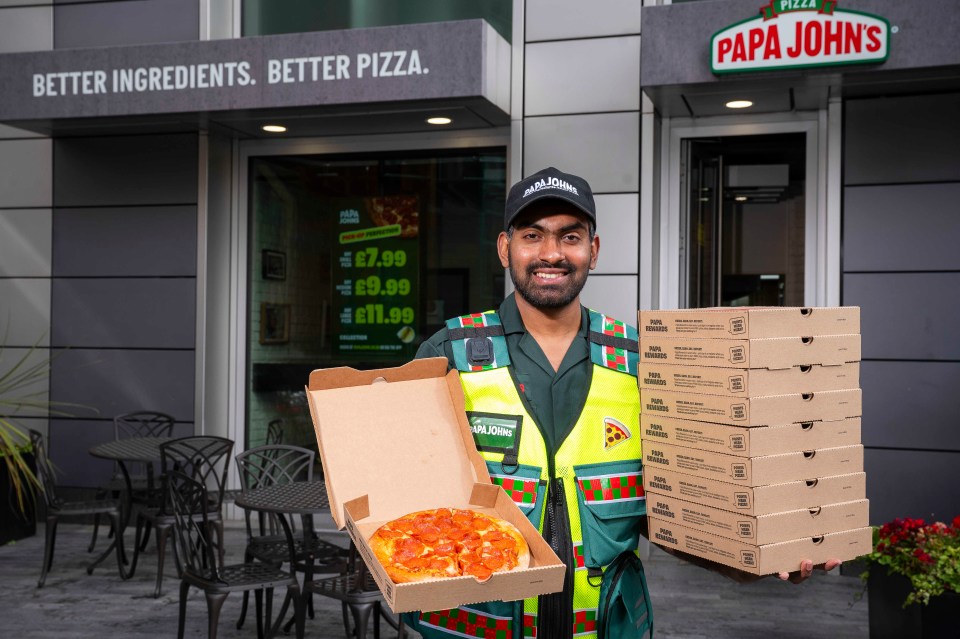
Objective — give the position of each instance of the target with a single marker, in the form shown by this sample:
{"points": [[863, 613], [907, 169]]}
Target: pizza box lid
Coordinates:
{"points": [[399, 436]]}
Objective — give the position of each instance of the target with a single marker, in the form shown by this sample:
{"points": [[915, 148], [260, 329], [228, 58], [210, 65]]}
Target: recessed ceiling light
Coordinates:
{"points": [[274, 128], [739, 104], [741, 198], [439, 120]]}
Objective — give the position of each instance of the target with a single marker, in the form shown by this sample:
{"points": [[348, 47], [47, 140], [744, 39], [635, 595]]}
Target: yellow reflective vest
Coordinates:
{"points": [[587, 500]]}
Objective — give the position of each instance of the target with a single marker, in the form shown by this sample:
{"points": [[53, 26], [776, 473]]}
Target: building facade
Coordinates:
{"points": [[173, 255]]}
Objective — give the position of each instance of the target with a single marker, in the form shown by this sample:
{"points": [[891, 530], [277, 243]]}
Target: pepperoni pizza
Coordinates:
{"points": [[448, 542]]}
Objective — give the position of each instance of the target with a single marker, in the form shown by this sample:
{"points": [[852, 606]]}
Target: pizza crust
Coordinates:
{"points": [[445, 542]]}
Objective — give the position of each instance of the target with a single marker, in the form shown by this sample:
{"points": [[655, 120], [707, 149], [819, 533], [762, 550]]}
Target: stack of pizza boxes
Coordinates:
{"points": [[750, 422]]}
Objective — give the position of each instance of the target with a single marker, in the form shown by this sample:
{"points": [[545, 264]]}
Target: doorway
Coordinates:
{"points": [[705, 252], [744, 220]]}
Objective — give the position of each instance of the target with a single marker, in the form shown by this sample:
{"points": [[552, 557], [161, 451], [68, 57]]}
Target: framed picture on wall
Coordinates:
{"points": [[274, 264], [274, 323]]}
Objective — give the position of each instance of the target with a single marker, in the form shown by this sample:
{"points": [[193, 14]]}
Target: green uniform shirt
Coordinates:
{"points": [[555, 397]]}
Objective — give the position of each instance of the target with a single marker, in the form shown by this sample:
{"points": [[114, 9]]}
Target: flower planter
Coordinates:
{"points": [[14, 524], [888, 618]]}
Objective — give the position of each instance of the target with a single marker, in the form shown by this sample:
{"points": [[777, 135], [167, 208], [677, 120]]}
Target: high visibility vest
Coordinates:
{"points": [[595, 474]]}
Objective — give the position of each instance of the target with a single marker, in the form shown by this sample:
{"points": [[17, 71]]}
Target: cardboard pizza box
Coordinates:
{"points": [[762, 529], [745, 441], [766, 352], [752, 471], [750, 322], [764, 559], [770, 410], [756, 500], [750, 382], [394, 441]]}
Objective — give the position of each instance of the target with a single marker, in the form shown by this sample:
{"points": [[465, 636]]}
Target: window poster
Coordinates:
{"points": [[376, 277]]}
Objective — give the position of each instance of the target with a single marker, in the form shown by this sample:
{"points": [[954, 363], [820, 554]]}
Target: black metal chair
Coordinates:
{"points": [[359, 596], [145, 489], [266, 542], [274, 432], [203, 561], [204, 458], [57, 508]]}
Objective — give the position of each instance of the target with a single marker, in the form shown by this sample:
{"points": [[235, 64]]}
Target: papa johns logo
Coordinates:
{"points": [[550, 183]]}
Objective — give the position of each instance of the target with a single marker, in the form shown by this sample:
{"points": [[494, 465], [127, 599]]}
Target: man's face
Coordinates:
{"points": [[550, 253]]}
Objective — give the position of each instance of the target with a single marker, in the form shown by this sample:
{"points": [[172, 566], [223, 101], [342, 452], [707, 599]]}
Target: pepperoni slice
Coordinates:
{"points": [[428, 533], [507, 543], [388, 533], [416, 563], [481, 572], [471, 541], [444, 549], [411, 544], [493, 562]]}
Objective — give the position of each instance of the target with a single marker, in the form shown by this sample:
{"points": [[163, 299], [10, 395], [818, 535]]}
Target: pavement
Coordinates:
{"points": [[689, 602]]}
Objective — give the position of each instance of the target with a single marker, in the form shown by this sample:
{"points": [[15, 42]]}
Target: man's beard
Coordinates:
{"points": [[544, 297]]}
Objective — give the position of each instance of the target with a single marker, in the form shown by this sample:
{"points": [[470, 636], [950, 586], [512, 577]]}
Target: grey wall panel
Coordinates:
{"points": [[559, 19], [618, 226], [25, 244], [139, 169], [69, 447], [907, 315], [607, 72], [603, 148], [903, 227], [26, 173], [615, 295], [26, 29], [121, 381], [36, 388], [922, 147], [912, 484], [130, 241], [24, 311], [130, 22], [911, 405], [124, 312]]}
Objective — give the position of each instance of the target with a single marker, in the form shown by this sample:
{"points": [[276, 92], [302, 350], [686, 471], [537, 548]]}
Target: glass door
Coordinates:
{"points": [[744, 220]]}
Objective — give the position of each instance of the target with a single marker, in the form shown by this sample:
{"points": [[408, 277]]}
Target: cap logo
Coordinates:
{"points": [[550, 183]]}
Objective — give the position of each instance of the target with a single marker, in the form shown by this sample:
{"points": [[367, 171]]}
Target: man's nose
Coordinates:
{"points": [[551, 248]]}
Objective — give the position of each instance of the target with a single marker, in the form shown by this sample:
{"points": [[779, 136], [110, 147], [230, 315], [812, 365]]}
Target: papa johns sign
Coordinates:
{"points": [[797, 34]]}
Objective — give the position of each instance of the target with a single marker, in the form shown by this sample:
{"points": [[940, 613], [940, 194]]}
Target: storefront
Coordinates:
{"points": [[179, 255]]}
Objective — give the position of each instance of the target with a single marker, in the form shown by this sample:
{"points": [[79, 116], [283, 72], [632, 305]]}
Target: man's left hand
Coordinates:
{"points": [[806, 570]]}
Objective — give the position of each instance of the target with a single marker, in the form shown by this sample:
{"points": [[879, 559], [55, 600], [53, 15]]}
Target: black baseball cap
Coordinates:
{"points": [[549, 183]]}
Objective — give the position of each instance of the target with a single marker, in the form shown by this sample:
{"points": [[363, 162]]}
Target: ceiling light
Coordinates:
{"points": [[274, 128], [741, 198], [739, 104], [439, 120]]}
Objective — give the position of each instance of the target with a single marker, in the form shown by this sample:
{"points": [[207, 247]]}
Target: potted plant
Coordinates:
{"points": [[913, 578], [17, 479]]}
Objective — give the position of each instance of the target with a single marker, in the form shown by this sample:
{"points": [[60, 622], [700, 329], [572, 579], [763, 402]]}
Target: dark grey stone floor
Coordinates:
{"points": [[688, 602]]}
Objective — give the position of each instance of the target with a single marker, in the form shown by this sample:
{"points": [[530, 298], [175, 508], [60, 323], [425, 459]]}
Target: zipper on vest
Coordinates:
{"points": [[555, 611]]}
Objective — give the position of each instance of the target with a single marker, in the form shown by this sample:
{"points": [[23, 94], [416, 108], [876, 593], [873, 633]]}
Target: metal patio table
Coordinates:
{"points": [[123, 451], [355, 589]]}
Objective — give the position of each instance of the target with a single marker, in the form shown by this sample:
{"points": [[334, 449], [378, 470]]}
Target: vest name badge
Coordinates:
{"points": [[495, 433], [614, 432]]}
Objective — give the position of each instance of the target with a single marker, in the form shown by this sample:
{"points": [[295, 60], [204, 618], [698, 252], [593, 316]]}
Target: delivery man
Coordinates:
{"points": [[552, 398]]}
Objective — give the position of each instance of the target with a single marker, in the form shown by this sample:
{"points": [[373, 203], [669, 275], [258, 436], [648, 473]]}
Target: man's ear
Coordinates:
{"points": [[594, 251], [503, 249]]}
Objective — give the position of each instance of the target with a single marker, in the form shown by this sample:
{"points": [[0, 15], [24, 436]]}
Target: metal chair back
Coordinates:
{"points": [[46, 474], [202, 458], [194, 535], [269, 465], [142, 424], [274, 432]]}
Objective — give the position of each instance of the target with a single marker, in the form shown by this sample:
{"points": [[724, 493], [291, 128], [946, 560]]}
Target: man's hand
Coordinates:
{"points": [[806, 570]]}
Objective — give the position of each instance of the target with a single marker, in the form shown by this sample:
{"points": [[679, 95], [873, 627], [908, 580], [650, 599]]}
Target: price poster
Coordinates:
{"points": [[376, 276]]}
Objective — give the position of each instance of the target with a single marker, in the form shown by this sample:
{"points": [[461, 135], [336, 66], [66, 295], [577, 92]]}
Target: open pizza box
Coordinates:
{"points": [[394, 441]]}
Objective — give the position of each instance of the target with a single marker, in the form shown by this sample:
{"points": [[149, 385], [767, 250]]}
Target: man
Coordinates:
{"points": [[552, 397]]}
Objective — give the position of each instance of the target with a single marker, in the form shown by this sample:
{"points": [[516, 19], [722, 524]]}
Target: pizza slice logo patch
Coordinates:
{"points": [[614, 432]]}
